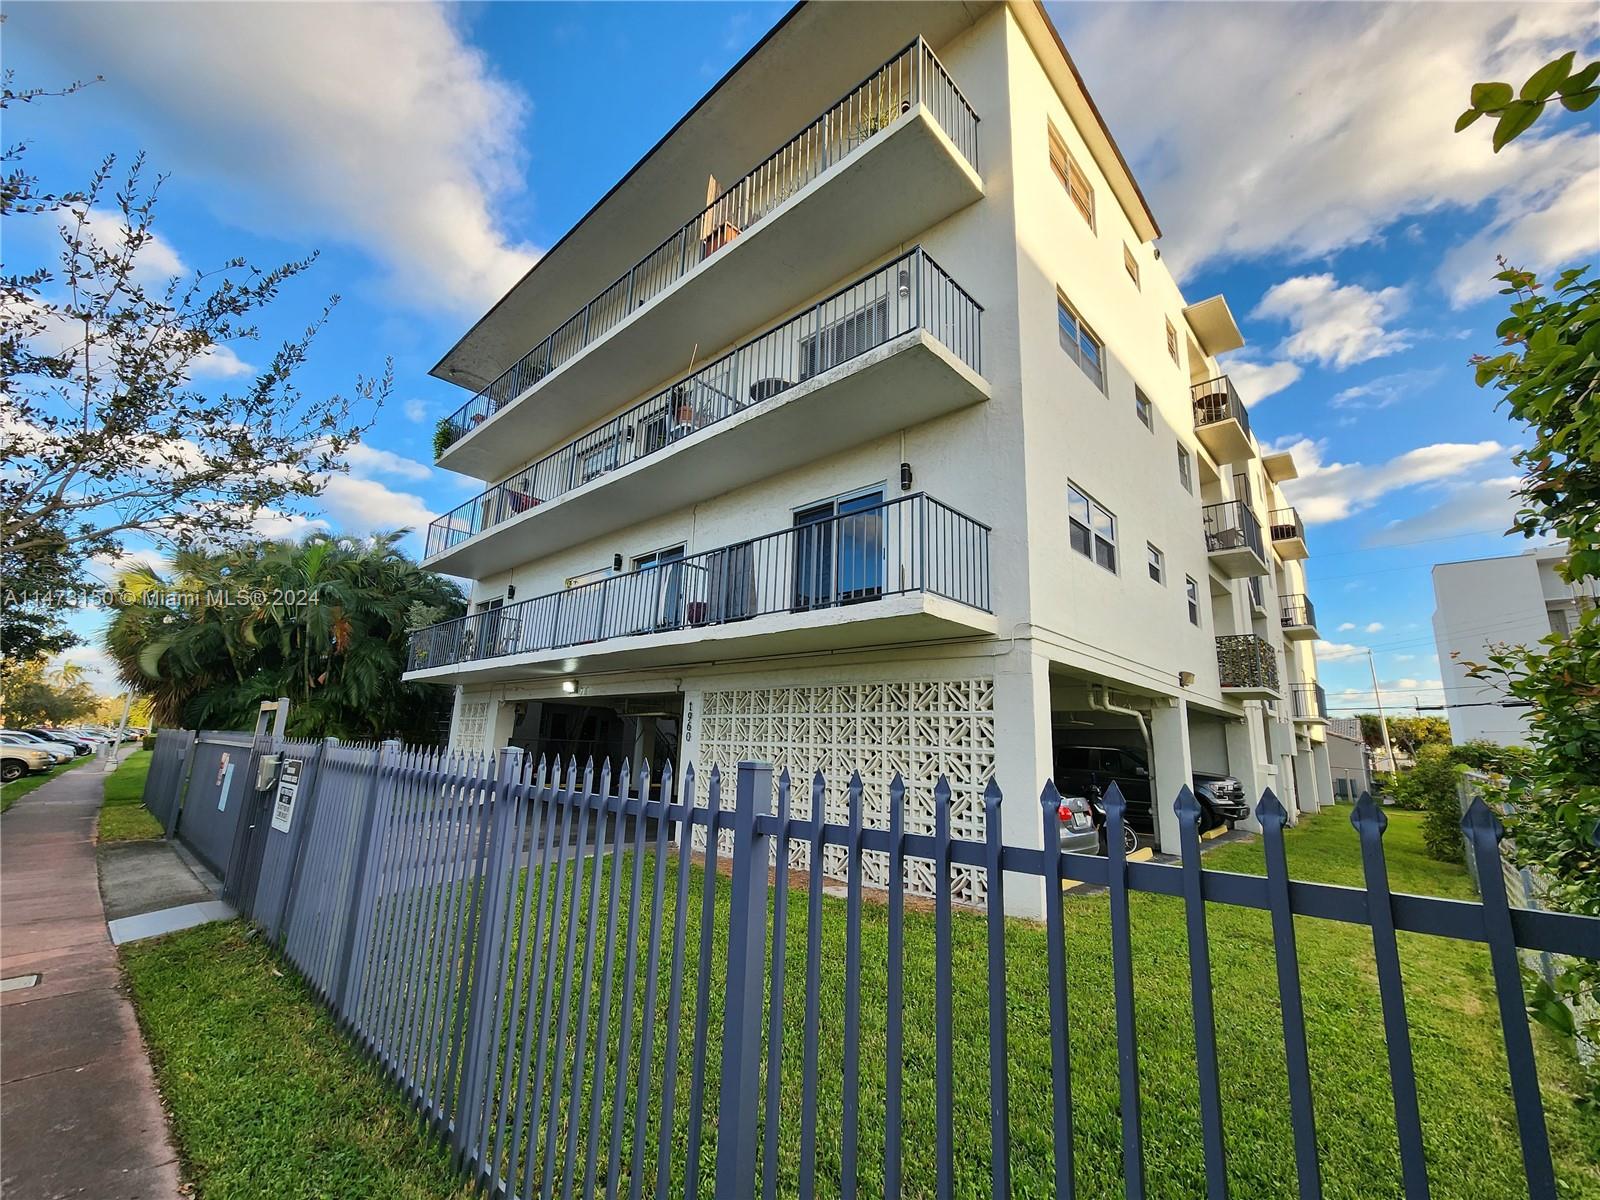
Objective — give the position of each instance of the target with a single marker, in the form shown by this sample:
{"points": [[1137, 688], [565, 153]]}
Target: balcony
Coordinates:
{"points": [[1310, 704], [1233, 539], [899, 572], [1248, 667], [895, 348], [895, 156], [1298, 617], [1220, 420], [1288, 534]]}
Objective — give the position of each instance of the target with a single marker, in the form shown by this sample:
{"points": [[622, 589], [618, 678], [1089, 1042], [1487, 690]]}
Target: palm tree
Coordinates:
{"points": [[321, 621]]}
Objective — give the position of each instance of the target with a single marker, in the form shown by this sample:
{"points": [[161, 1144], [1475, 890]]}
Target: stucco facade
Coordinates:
{"points": [[970, 633], [1479, 604]]}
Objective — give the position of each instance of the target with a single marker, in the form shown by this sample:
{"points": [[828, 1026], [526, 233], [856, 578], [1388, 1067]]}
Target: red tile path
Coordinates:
{"points": [[78, 1103]]}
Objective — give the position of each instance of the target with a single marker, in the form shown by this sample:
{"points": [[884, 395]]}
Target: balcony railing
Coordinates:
{"points": [[1215, 400], [1310, 702], [913, 76], [912, 292], [1296, 609], [1231, 525], [1286, 525], [911, 544], [1246, 661]]}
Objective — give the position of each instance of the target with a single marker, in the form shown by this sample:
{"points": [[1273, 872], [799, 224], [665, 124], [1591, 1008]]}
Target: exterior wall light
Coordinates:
{"points": [[569, 686], [1185, 679]]}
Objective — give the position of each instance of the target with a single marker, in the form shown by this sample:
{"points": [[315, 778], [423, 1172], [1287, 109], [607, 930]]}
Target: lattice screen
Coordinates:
{"points": [[472, 726], [920, 728]]}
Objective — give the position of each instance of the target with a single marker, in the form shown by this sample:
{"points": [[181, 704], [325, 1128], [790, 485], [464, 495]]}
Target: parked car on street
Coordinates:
{"points": [[1080, 833], [18, 759], [57, 752], [1091, 770], [79, 746]]}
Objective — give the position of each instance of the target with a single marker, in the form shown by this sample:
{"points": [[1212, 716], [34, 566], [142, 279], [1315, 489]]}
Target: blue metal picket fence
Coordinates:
{"points": [[512, 945]]}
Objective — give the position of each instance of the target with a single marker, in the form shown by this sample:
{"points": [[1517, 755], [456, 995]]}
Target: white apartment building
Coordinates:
{"points": [[861, 427], [1482, 603]]}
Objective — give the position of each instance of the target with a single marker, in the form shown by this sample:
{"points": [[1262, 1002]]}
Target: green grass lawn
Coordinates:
{"points": [[123, 817], [294, 1076], [10, 793]]}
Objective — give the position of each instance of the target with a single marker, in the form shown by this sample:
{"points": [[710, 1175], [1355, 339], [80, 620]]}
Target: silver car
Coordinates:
{"points": [[1079, 834]]}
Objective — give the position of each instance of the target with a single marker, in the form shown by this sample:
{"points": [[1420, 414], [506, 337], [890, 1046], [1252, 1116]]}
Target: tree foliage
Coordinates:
{"points": [[108, 432], [322, 621], [1406, 734], [1517, 111], [34, 695]]}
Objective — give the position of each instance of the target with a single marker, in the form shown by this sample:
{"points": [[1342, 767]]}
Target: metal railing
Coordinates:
{"points": [[911, 544], [912, 292], [1245, 660], [1310, 702], [1297, 609], [1286, 525], [1215, 400], [1231, 525], [914, 76], [1258, 593], [468, 922]]}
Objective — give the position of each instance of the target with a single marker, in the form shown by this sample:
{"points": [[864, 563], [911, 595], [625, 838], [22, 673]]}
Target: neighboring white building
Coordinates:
{"points": [[1487, 602], [906, 454]]}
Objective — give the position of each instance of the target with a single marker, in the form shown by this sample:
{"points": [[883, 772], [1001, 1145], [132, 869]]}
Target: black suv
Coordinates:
{"points": [[1080, 770]]}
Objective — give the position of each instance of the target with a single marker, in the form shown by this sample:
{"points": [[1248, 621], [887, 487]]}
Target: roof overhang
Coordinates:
{"points": [[1214, 326], [776, 90], [1062, 72], [1280, 467]]}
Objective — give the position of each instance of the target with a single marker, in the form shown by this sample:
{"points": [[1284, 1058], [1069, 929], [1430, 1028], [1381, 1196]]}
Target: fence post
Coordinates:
{"points": [[739, 1104], [180, 777], [360, 884], [486, 929]]}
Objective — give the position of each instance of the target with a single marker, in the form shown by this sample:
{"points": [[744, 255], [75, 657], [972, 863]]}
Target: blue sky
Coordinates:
{"points": [[1299, 158]]}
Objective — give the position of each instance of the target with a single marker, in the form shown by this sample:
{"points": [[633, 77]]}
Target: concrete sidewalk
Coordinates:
{"points": [[77, 1097]]}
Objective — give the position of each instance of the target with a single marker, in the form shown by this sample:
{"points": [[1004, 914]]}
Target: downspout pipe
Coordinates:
{"points": [[1100, 701]]}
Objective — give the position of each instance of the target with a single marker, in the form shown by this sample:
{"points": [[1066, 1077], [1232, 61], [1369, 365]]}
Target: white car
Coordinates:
{"points": [[18, 760], [55, 750]]}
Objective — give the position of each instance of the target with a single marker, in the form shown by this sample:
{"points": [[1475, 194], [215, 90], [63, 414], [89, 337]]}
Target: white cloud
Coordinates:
{"points": [[1335, 325], [1346, 627], [1481, 505], [1547, 226], [219, 362], [1256, 381], [1247, 155], [361, 506], [1333, 491], [415, 410], [1333, 651], [155, 263], [1385, 390], [1373, 627], [367, 460], [373, 124]]}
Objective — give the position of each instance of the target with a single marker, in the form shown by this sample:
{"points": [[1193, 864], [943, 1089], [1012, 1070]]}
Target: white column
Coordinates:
{"points": [[1173, 767], [1244, 757], [1323, 770], [502, 720], [1024, 759]]}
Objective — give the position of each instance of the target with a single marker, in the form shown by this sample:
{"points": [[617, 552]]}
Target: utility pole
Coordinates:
{"points": [[122, 728], [1388, 749]]}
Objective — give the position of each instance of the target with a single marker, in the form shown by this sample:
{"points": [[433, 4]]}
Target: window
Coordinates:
{"points": [[1141, 406], [1158, 563], [844, 339], [1080, 343], [1072, 177], [1172, 341], [1192, 591], [1131, 263], [1185, 469], [1091, 529]]}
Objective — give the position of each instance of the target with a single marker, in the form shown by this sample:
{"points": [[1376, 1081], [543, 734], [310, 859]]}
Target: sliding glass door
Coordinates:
{"points": [[838, 551]]}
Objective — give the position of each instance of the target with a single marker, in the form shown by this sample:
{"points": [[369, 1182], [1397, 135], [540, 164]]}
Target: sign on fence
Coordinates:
{"points": [[288, 789]]}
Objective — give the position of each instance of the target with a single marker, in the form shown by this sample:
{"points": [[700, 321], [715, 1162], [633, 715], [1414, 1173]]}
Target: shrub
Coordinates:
{"points": [[1433, 782], [147, 742]]}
